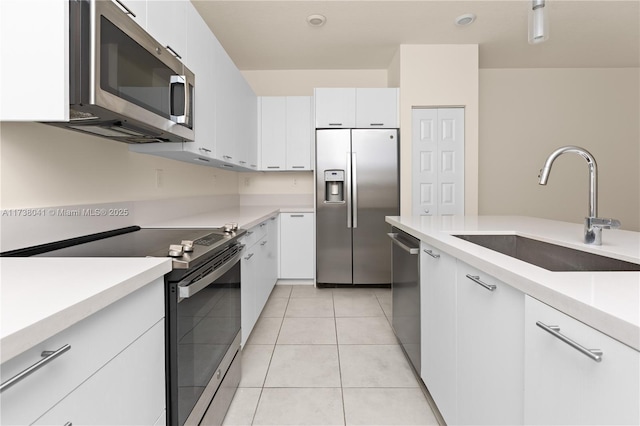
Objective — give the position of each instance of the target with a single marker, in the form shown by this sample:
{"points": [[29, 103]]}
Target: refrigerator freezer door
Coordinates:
{"points": [[333, 237], [376, 195]]}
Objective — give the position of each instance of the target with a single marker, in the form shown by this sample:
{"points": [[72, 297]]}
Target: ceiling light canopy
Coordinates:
{"points": [[316, 20], [466, 19], [538, 22]]}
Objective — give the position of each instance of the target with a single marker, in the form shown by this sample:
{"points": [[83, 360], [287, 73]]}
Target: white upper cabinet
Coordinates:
{"points": [[286, 132], [335, 108], [273, 132], [356, 108], [136, 9], [377, 108], [166, 22], [34, 73], [299, 132]]}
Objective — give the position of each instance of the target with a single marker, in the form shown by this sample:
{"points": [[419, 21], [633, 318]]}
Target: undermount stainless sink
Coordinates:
{"points": [[549, 256]]}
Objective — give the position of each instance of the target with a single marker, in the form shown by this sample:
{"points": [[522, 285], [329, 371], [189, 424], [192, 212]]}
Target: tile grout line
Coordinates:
{"points": [[255, 412]]}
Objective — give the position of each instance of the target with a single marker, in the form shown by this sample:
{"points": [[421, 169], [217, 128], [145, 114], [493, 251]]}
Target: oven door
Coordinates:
{"points": [[203, 338]]}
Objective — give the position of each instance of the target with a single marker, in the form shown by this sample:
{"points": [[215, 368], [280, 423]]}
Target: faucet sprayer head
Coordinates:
{"points": [[543, 176]]}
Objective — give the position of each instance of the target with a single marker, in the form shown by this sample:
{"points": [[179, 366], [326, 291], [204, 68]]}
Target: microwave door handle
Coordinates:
{"points": [[178, 101], [186, 290]]}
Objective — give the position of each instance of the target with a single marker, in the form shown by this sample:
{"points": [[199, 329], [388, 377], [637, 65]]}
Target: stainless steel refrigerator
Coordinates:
{"points": [[357, 185]]}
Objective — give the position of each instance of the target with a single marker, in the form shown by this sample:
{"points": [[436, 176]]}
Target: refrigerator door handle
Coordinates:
{"points": [[354, 183], [348, 189]]}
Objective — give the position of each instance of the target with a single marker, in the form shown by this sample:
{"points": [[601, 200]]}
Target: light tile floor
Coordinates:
{"points": [[327, 357]]}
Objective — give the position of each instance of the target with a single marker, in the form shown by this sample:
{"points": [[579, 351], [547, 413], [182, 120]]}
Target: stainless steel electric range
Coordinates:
{"points": [[202, 306]]}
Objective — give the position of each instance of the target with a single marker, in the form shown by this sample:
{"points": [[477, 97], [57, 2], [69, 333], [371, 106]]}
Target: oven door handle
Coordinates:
{"points": [[188, 290]]}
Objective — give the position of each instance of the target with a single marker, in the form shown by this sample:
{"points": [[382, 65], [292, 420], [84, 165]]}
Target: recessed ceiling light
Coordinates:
{"points": [[466, 19], [316, 20]]}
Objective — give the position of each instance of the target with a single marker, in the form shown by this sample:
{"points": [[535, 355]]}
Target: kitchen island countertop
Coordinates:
{"points": [[39, 297], [607, 301]]}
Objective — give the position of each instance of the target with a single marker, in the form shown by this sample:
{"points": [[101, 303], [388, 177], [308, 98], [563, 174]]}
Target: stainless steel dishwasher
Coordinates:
{"points": [[405, 287]]}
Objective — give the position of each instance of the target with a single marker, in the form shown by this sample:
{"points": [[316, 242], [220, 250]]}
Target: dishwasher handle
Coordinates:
{"points": [[403, 246]]}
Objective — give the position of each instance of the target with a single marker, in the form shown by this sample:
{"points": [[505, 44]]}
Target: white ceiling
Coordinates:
{"points": [[361, 34]]}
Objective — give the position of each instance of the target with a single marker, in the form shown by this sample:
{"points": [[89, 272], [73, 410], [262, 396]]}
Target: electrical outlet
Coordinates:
{"points": [[159, 178], [295, 181], [247, 181]]}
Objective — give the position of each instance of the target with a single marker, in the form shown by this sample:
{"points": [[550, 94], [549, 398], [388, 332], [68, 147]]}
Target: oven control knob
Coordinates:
{"points": [[176, 250], [230, 227], [187, 246]]}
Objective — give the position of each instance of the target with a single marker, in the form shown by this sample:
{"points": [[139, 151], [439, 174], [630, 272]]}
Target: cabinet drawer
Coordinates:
{"points": [[255, 234], [126, 391], [94, 341], [564, 385]]}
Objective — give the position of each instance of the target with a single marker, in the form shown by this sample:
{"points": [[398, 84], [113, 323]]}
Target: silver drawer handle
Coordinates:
{"points": [[297, 167], [204, 149], [594, 354], [48, 357], [430, 253], [173, 52], [376, 124], [249, 233], [263, 224], [249, 256], [476, 279], [296, 215], [227, 157], [263, 243], [273, 167], [335, 124]]}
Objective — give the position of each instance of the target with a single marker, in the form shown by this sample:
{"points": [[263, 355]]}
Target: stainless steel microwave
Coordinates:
{"points": [[124, 85]]}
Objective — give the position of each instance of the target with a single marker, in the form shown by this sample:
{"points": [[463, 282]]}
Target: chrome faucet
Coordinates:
{"points": [[593, 225]]}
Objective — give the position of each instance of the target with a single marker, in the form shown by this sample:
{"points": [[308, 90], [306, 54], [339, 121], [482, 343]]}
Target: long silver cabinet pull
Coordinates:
{"points": [[376, 124], [296, 215], [476, 279], [554, 330], [430, 253], [249, 256], [128, 11], [335, 124], [403, 246], [48, 357], [173, 52]]}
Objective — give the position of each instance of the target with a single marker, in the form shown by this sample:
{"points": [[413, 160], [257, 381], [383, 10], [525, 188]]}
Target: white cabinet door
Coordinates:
{"points": [[438, 161], [273, 129], [226, 100], [297, 246], [246, 122], [167, 22], [335, 108], [136, 9], [272, 252], [128, 390], [438, 328], [249, 275], [490, 348], [377, 108], [565, 386], [200, 48], [34, 75], [299, 133]]}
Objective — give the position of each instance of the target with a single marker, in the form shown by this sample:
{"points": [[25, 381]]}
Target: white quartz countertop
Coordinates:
{"points": [[245, 216], [607, 301], [39, 297]]}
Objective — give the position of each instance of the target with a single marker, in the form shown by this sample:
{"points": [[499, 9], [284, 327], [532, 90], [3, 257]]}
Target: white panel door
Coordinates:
{"points": [[425, 165], [451, 161], [438, 161], [564, 386]]}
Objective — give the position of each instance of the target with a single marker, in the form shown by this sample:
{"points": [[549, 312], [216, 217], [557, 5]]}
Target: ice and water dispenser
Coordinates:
{"points": [[334, 186]]}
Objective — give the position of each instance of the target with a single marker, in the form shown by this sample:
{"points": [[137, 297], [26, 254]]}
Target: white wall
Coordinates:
{"points": [[43, 165], [525, 114]]}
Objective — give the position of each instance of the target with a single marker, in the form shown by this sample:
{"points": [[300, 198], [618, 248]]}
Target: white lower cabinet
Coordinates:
{"points": [[297, 246], [565, 385], [258, 271], [438, 328], [113, 372], [129, 390], [490, 349]]}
